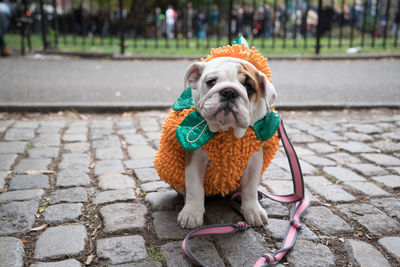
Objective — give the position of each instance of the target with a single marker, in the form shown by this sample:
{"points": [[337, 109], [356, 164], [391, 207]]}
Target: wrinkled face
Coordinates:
{"points": [[229, 92]]}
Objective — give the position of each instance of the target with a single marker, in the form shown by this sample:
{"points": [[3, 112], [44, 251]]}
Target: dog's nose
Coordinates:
{"points": [[228, 94]]}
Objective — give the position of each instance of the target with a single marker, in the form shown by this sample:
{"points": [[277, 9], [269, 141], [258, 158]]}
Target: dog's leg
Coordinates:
{"points": [[191, 216], [251, 208]]}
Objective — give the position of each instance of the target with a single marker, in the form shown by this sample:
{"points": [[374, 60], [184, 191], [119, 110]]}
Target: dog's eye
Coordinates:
{"points": [[211, 83], [250, 90]]}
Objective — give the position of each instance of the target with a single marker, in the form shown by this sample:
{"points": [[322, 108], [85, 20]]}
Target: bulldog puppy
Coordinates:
{"points": [[227, 92]]}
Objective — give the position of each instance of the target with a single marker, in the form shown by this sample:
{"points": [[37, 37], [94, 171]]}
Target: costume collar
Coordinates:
{"points": [[193, 132]]}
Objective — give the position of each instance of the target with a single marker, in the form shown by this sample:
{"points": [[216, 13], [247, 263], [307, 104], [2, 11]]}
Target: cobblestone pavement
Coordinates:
{"points": [[80, 189]]}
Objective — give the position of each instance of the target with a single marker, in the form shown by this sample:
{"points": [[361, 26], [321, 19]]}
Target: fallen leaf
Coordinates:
{"points": [[36, 172], [39, 228], [92, 165], [41, 209], [24, 241], [89, 260], [83, 117]]}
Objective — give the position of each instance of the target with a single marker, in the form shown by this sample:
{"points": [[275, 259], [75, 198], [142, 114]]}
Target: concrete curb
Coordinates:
{"points": [[115, 56], [116, 107]]}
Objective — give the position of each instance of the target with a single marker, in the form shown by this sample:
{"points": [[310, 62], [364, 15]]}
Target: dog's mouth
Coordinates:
{"points": [[226, 113]]}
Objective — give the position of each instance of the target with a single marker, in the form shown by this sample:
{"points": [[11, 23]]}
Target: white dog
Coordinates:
{"points": [[227, 92]]}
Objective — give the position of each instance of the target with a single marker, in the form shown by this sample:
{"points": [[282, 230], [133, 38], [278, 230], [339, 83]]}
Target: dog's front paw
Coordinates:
{"points": [[190, 217], [254, 214]]}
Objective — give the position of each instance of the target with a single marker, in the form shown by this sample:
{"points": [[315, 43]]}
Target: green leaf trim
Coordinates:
{"points": [[267, 126], [185, 101], [193, 132]]}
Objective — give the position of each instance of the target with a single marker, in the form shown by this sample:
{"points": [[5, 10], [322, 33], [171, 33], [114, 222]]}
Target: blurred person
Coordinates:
{"points": [[158, 21], [213, 20], [396, 22], [258, 22], [189, 19], [247, 21], [170, 19], [5, 19], [267, 24]]}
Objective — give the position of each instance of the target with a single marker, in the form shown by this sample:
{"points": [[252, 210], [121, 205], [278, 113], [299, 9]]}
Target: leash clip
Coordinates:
{"points": [[243, 226], [295, 223]]}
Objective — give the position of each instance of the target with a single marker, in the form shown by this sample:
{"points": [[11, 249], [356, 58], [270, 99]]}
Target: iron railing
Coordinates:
{"points": [[273, 24]]}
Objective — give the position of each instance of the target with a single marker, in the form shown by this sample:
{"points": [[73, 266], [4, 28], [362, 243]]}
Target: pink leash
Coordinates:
{"points": [[300, 201]]}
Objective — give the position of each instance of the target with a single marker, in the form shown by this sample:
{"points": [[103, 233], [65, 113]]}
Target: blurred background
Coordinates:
{"points": [[192, 27]]}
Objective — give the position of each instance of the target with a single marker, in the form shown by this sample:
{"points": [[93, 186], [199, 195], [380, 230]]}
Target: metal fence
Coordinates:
{"points": [[273, 24]]}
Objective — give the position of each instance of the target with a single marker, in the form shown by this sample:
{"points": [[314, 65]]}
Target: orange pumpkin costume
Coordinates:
{"points": [[228, 155]]}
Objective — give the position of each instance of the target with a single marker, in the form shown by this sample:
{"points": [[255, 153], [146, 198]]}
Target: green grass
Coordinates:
{"points": [[181, 46]]}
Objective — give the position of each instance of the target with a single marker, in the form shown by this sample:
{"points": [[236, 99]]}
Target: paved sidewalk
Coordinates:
{"points": [[80, 189], [61, 83]]}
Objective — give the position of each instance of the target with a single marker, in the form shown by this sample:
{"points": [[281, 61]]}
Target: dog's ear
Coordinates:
{"points": [[268, 91], [193, 74]]}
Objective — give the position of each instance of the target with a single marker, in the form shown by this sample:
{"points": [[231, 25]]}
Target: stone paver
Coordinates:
{"points": [[75, 161], [71, 177], [17, 217], [12, 252], [32, 164], [328, 190], [141, 152], [96, 174], [391, 205], [73, 239], [167, 227], [12, 147], [107, 166], [391, 181], [343, 174], [15, 134], [6, 160], [146, 175], [205, 251], [65, 263], [353, 147], [122, 249], [307, 253], [321, 148], [140, 163], [43, 152], [124, 217], [62, 213], [326, 221], [115, 181], [376, 221], [382, 159], [252, 247], [29, 182], [368, 169], [74, 194], [367, 188], [155, 186], [364, 254], [109, 153], [3, 176], [162, 200], [114, 195], [21, 195], [343, 158], [391, 245]]}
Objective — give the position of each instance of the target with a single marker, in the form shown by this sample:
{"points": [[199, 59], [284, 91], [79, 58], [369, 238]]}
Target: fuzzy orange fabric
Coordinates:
{"points": [[241, 51], [229, 156]]}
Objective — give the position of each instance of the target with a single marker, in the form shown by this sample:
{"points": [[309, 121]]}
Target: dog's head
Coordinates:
{"points": [[229, 92]]}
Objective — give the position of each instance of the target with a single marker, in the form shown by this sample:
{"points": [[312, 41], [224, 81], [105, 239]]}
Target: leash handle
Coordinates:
{"points": [[298, 198]]}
